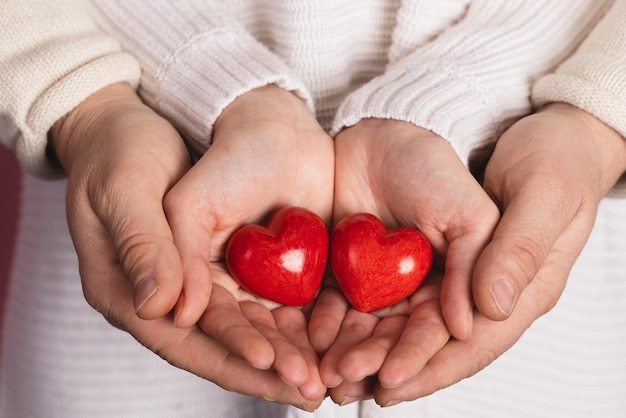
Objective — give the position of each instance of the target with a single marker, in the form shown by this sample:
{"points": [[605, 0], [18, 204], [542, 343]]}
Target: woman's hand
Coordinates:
{"points": [[268, 152], [407, 175], [548, 174], [121, 159]]}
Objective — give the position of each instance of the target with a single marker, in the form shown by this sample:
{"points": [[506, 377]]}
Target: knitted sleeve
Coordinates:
{"points": [[473, 80], [52, 56], [196, 59], [594, 77]]}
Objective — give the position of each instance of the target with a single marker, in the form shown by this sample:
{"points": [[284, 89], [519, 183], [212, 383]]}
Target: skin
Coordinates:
{"points": [[127, 169], [130, 221], [549, 206]]}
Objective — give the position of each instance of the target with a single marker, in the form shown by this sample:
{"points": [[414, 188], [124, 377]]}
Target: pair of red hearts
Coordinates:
{"points": [[285, 261]]}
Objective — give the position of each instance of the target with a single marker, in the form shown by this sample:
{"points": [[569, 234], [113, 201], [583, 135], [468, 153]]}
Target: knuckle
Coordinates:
{"points": [[527, 257]]}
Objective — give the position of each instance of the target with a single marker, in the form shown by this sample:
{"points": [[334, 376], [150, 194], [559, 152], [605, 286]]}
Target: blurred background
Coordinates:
{"points": [[10, 180]]}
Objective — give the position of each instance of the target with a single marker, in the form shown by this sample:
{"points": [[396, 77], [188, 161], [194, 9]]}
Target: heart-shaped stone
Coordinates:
{"points": [[283, 262], [374, 267]]}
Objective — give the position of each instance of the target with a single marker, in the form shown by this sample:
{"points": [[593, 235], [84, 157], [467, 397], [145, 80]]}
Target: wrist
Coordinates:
{"points": [[609, 143], [72, 130], [269, 103]]}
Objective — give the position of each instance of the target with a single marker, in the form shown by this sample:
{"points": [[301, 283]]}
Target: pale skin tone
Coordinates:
{"points": [[548, 174], [406, 175], [125, 223], [125, 164]]}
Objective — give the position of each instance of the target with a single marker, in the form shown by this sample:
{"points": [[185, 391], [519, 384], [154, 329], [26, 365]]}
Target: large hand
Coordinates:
{"points": [[121, 159], [548, 173], [268, 151]]}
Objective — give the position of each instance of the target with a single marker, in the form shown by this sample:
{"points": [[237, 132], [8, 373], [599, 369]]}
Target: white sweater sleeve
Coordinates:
{"points": [[196, 59], [471, 82], [52, 56], [594, 78]]}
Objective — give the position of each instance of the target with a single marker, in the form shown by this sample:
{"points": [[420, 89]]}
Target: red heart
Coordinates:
{"points": [[284, 262], [376, 268]]}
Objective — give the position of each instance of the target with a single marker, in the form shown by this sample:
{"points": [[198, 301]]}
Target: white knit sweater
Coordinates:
{"points": [[461, 69], [52, 56]]}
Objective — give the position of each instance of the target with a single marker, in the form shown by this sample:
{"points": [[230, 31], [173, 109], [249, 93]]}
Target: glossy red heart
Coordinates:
{"points": [[375, 267], [284, 262]]}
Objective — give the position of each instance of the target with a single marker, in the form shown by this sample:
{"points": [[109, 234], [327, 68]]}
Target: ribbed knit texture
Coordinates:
{"points": [[61, 359], [461, 69], [52, 56]]}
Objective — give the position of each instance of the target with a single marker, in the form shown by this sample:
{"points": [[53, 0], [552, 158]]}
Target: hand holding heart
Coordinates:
{"points": [[549, 172], [286, 261], [268, 151], [389, 168], [266, 155], [406, 176]]}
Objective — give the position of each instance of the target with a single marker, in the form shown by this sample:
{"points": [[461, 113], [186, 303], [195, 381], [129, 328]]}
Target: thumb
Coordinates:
{"points": [[529, 227], [145, 247]]}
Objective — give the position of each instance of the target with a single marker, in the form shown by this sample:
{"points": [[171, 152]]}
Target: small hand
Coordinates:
{"points": [[385, 349], [407, 175], [268, 152]]}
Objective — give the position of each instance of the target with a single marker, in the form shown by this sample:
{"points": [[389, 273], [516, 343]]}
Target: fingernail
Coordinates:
{"points": [[391, 403], [348, 400], [503, 294], [144, 290]]}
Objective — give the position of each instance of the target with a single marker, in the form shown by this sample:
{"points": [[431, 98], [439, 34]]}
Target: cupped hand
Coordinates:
{"points": [[548, 173], [268, 152], [382, 350], [407, 175], [121, 159]]}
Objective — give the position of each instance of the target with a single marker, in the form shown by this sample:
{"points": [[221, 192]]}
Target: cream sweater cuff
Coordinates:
{"points": [[59, 99]]}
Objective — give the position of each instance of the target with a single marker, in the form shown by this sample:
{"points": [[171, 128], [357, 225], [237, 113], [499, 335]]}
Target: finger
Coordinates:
{"points": [[349, 392], [423, 336], [454, 362], [366, 358], [457, 303], [458, 360], [531, 224], [355, 328], [132, 219], [292, 323], [289, 362], [326, 317], [192, 227], [107, 289], [225, 322]]}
